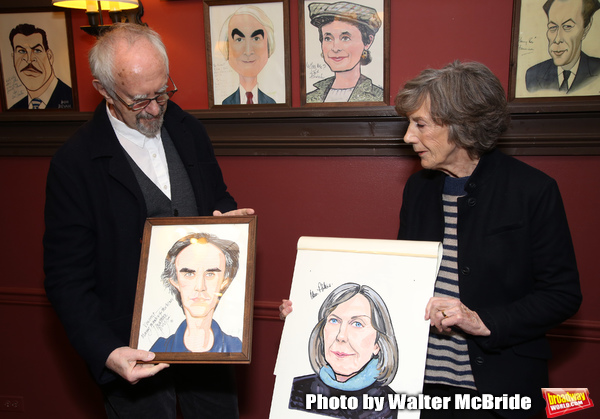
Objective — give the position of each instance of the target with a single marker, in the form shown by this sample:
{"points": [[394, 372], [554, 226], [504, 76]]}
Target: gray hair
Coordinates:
{"points": [[380, 319], [258, 14], [466, 97], [230, 250], [102, 55]]}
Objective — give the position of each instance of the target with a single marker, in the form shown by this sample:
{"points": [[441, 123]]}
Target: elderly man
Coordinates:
{"points": [[34, 65], [198, 270], [140, 156], [569, 68], [247, 41]]}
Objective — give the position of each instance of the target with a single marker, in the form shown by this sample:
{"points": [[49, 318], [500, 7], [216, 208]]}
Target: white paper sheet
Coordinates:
{"points": [[403, 273]]}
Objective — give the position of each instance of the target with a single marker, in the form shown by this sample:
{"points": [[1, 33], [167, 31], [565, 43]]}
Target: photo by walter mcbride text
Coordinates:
{"points": [[376, 404]]}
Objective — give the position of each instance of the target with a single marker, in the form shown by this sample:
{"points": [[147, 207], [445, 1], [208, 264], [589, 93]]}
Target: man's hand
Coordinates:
{"points": [[284, 309], [123, 361], [445, 313], [237, 212]]}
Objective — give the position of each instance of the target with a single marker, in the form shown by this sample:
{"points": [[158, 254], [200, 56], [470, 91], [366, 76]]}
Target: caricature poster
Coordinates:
{"points": [[557, 39], [389, 282], [234, 61], [161, 314], [356, 42], [44, 70]]}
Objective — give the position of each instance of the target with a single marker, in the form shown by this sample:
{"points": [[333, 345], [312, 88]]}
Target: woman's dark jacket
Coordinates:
{"points": [[516, 266]]}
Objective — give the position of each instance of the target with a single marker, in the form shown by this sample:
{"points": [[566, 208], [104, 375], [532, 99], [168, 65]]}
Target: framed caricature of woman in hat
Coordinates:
{"points": [[348, 36]]}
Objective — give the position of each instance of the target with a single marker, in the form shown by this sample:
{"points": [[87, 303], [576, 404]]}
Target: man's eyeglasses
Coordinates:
{"points": [[141, 104]]}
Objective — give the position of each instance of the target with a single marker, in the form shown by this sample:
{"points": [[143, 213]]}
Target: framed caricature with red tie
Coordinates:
{"points": [[247, 53]]}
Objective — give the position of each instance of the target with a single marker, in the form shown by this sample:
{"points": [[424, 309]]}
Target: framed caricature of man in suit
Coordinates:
{"points": [[249, 53], [247, 43], [570, 70], [37, 62], [34, 65]]}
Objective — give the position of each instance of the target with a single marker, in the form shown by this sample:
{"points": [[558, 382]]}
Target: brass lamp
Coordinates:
{"points": [[119, 11]]}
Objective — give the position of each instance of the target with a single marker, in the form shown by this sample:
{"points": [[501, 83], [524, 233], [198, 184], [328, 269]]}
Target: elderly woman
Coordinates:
{"points": [[508, 272], [352, 350], [346, 32]]}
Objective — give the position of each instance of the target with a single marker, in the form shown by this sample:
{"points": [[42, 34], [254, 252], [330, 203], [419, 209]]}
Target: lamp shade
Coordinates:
{"points": [[92, 5]]}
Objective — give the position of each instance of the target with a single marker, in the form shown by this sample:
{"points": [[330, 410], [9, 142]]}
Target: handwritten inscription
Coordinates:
{"points": [[14, 89], [527, 46], [317, 70], [321, 286], [158, 322]]}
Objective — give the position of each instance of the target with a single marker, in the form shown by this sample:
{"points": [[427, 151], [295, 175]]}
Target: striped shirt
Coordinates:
{"points": [[447, 354]]}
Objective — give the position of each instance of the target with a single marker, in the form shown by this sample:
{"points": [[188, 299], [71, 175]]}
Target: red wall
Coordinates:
{"points": [[428, 33], [293, 196]]}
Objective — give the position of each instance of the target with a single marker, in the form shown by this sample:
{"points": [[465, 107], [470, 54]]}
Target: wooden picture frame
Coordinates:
{"points": [[196, 270], [266, 73], [319, 63], [534, 80], [46, 32]]}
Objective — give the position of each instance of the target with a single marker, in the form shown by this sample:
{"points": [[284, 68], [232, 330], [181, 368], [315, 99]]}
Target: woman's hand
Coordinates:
{"points": [[446, 313], [284, 309]]}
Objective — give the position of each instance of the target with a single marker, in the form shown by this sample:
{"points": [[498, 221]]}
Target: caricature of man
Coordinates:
{"points": [[569, 68], [198, 270], [33, 61], [247, 41]]}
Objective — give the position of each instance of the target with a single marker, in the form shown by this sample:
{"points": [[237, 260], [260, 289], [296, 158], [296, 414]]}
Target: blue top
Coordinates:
{"points": [[367, 376], [174, 343]]}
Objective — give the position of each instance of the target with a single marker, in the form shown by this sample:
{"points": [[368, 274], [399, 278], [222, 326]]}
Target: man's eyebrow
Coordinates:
{"points": [[33, 47], [213, 270], [551, 22], [570, 20], [258, 32], [237, 32], [142, 97], [187, 270]]}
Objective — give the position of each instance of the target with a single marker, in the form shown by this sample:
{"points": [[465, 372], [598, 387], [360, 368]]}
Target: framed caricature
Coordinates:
{"points": [[37, 66], [555, 51], [248, 54], [344, 52], [195, 291]]}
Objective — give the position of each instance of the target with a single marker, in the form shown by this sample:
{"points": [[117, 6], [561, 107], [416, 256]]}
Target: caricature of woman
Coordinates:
{"points": [[352, 350], [346, 32]]}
